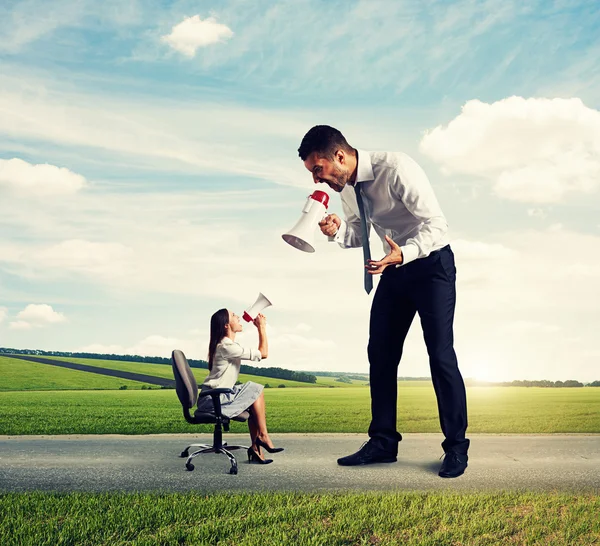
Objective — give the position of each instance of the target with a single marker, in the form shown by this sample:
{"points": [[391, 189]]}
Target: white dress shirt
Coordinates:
{"points": [[399, 202], [226, 364]]}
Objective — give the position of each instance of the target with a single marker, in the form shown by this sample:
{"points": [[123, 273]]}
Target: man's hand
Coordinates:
{"points": [[330, 225], [394, 257]]}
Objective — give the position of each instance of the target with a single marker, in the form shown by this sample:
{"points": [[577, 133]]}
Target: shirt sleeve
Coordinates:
{"points": [[349, 234], [235, 350], [413, 188]]}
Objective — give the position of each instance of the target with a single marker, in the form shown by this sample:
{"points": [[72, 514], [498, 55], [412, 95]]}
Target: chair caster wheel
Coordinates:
{"points": [[184, 454], [189, 466]]}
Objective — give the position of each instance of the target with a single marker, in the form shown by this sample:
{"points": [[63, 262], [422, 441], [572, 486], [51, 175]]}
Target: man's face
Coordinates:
{"points": [[333, 173]]}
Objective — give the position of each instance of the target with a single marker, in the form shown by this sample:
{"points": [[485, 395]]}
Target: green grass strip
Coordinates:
{"points": [[21, 375], [311, 410], [409, 518]]}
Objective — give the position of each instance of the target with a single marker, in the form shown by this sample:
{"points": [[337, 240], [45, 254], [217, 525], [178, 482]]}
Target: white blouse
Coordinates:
{"points": [[399, 202], [226, 363]]}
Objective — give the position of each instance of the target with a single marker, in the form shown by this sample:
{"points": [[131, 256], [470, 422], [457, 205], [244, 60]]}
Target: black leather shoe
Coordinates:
{"points": [[454, 465], [368, 454]]}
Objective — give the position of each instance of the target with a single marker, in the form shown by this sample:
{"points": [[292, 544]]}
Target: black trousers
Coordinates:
{"points": [[426, 286]]}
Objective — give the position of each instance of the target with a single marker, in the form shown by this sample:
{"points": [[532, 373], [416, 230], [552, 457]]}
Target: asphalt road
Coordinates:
{"points": [[152, 463]]}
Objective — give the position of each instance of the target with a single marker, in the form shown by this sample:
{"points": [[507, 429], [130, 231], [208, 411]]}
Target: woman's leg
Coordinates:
{"points": [[258, 416], [253, 431]]}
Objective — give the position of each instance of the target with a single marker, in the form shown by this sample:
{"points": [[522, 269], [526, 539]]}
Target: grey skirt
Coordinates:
{"points": [[232, 404]]}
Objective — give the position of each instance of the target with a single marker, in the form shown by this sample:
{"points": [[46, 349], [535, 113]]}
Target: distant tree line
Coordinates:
{"points": [[533, 383], [355, 376], [277, 373], [304, 377], [544, 383]]}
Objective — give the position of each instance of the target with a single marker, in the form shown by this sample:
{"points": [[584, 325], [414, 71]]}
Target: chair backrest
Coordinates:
{"points": [[185, 382]]}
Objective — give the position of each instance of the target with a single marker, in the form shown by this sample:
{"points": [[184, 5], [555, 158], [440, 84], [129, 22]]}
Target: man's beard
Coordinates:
{"points": [[341, 179]]}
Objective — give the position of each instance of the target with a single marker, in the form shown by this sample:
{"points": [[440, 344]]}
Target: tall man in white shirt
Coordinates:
{"points": [[418, 275]]}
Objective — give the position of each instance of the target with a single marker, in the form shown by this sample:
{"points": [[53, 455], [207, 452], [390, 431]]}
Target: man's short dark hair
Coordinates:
{"points": [[324, 140]]}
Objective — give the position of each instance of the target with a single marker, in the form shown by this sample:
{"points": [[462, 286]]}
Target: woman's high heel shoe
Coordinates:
{"points": [[260, 443], [254, 458]]}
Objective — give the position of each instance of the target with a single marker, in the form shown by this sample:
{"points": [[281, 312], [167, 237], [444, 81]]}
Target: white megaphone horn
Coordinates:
{"points": [[252, 312], [302, 235]]}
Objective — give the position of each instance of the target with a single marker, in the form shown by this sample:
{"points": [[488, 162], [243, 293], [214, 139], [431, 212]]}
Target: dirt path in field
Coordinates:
{"points": [[152, 463], [151, 379]]}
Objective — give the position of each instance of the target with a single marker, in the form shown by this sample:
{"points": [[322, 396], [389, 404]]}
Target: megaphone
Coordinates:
{"points": [[252, 312], [302, 235]]}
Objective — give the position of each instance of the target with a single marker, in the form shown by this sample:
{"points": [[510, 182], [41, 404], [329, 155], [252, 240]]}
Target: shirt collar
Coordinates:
{"points": [[226, 340], [364, 169]]}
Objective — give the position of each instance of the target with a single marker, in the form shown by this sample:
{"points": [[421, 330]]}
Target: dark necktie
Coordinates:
{"points": [[365, 238]]}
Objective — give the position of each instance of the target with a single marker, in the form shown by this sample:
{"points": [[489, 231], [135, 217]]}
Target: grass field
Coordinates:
{"points": [[424, 519], [491, 409], [164, 370], [21, 375], [407, 518]]}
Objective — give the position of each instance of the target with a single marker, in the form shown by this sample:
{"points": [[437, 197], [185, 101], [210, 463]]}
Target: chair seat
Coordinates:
{"points": [[204, 417], [242, 417]]}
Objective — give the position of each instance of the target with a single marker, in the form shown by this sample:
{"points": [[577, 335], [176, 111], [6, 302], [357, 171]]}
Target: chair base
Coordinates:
{"points": [[205, 448]]}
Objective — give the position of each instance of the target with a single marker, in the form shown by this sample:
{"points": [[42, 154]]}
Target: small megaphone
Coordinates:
{"points": [[302, 235], [252, 312]]}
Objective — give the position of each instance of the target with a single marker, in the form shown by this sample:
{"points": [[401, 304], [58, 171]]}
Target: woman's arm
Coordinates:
{"points": [[261, 325]]}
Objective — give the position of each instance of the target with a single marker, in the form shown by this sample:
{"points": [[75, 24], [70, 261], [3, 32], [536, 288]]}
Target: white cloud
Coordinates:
{"points": [[202, 256], [477, 249], [3, 313], [98, 259], [181, 254], [534, 150], [37, 316], [200, 136], [38, 180], [99, 348], [293, 350], [193, 33], [528, 327], [286, 350], [537, 213], [518, 316], [157, 345], [20, 325], [212, 258], [153, 345]]}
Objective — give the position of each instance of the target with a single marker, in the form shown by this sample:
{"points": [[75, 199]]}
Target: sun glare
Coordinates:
{"points": [[482, 367]]}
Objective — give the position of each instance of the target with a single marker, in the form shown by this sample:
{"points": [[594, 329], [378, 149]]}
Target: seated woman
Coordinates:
{"points": [[224, 359]]}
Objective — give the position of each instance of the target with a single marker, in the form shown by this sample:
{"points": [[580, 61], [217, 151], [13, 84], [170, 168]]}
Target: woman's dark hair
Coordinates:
{"points": [[324, 140], [217, 332]]}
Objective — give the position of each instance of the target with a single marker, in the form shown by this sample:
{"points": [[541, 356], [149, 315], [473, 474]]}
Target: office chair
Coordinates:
{"points": [[187, 392]]}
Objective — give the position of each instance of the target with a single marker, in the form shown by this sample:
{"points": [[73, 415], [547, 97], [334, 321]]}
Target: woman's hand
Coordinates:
{"points": [[261, 324], [260, 321]]}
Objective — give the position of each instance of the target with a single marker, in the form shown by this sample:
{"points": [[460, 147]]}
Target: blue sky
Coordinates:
{"points": [[148, 168]]}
